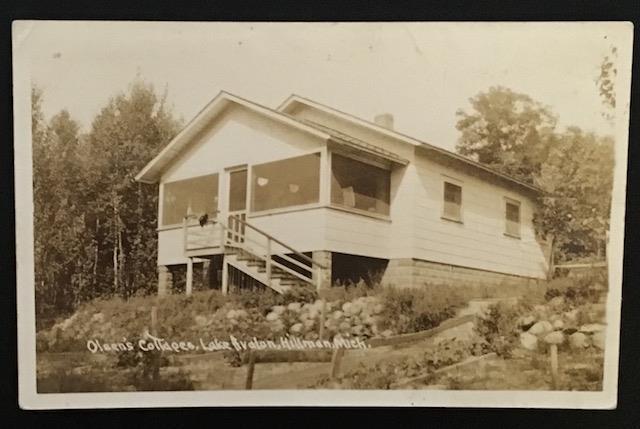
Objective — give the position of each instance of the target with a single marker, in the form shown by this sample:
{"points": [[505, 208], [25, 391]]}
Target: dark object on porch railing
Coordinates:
{"points": [[203, 219]]}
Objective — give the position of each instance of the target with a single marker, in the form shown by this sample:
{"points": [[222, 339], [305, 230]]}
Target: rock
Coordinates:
{"points": [[540, 308], [297, 328], [526, 322], [241, 313], [200, 320], [571, 316], [344, 326], [598, 339], [578, 340], [555, 337], [278, 309], [294, 306], [378, 308], [354, 309], [590, 328], [541, 328], [387, 333], [558, 324], [528, 341], [272, 316], [277, 326], [337, 314], [98, 318], [231, 314], [557, 301]]}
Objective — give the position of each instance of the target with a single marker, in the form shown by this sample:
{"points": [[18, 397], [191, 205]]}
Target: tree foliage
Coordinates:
{"points": [[507, 131], [606, 82], [578, 178], [94, 225], [516, 135]]}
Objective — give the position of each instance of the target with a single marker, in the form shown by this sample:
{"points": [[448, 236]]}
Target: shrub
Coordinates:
{"points": [[350, 291], [411, 310], [576, 291], [498, 326]]}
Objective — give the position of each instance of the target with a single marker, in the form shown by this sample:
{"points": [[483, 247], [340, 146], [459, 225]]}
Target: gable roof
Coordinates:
{"points": [[289, 104], [153, 170]]}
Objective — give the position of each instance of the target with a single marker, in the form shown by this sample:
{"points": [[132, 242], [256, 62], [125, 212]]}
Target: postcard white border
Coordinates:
{"points": [[621, 35]]}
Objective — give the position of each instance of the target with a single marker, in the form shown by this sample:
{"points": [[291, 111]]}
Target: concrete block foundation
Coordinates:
{"points": [[407, 273]]}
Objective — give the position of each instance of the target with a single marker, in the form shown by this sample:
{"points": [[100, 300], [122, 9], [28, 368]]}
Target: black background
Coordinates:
{"points": [[627, 415]]}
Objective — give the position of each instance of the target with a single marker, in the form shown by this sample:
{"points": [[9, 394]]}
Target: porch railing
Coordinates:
{"points": [[240, 234], [200, 238]]}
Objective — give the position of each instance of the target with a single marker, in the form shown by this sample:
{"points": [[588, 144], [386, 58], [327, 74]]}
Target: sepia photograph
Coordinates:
{"points": [[256, 213]]}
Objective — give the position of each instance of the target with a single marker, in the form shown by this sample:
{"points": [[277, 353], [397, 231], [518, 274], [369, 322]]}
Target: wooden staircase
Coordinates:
{"points": [[256, 268], [252, 252]]}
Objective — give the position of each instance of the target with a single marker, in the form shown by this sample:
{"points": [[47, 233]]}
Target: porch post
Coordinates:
{"points": [[189, 282], [322, 276], [165, 280], [225, 275]]}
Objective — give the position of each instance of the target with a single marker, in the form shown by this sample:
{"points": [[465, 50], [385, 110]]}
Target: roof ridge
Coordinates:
{"points": [[428, 145]]}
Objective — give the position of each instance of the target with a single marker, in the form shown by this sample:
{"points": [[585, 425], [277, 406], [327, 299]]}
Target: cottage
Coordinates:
{"points": [[308, 195]]}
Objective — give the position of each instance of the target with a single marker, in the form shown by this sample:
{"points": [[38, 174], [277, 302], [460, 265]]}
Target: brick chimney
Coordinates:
{"points": [[385, 120]]}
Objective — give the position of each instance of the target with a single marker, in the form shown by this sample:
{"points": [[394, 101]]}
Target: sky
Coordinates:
{"points": [[422, 73]]}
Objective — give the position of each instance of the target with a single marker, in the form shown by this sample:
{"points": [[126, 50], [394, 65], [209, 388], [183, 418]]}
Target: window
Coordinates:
{"points": [[191, 196], [452, 209], [237, 190], [286, 183], [512, 217], [360, 186]]}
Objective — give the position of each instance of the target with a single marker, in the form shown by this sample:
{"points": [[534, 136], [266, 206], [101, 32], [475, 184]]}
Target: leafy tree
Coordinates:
{"points": [[95, 227], [507, 131], [59, 230], [578, 178], [125, 135], [606, 82], [516, 135]]}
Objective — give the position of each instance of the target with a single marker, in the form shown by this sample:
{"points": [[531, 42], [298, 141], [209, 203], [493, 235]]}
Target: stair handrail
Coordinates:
{"points": [[286, 246], [267, 258]]}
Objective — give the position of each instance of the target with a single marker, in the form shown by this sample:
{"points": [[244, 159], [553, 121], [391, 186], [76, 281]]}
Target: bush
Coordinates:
{"points": [[576, 291], [498, 326], [350, 291], [412, 310]]}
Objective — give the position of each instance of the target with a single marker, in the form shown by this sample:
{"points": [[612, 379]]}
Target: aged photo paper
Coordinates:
{"points": [[332, 214]]}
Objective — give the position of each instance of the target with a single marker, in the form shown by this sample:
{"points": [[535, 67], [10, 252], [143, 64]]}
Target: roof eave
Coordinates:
{"points": [[152, 172]]}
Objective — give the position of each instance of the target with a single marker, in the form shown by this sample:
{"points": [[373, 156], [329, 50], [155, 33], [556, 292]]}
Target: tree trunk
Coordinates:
{"points": [[116, 272]]}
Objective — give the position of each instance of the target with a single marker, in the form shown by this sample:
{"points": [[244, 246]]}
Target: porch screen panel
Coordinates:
{"points": [[358, 185], [285, 183], [196, 196]]}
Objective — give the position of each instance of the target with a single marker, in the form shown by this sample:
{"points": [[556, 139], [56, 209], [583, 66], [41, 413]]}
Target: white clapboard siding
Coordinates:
{"points": [[478, 242], [239, 137]]}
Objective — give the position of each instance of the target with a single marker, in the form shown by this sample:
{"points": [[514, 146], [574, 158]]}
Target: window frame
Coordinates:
{"points": [[356, 210], [162, 192], [298, 207], [518, 204], [443, 214]]}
